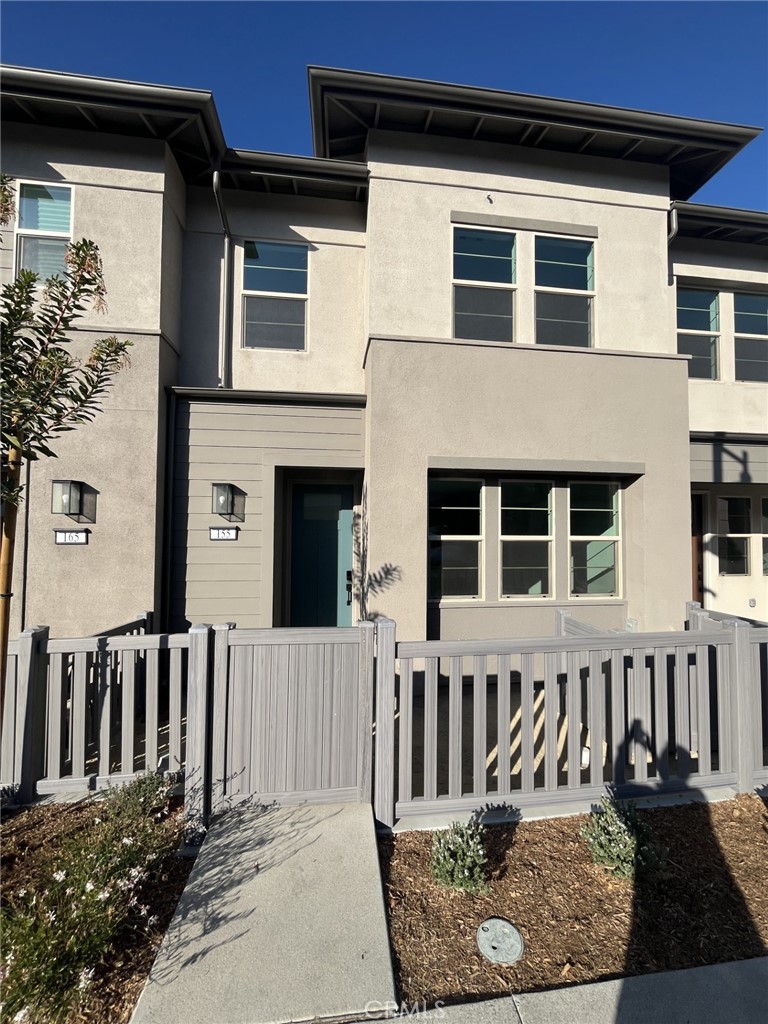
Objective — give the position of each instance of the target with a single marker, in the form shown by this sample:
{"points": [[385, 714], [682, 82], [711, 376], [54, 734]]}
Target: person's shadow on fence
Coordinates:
{"points": [[691, 911]]}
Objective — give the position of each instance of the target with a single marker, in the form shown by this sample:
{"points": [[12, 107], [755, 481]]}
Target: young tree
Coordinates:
{"points": [[45, 391]]}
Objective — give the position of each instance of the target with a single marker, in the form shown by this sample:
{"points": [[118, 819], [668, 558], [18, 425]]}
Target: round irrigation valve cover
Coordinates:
{"points": [[499, 941]]}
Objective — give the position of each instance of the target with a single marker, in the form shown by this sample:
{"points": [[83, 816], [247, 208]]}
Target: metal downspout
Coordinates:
{"points": [[225, 308], [672, 225]]}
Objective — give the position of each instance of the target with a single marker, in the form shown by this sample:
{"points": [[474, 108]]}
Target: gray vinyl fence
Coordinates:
{"points": [[476, 726], [458, 728]]}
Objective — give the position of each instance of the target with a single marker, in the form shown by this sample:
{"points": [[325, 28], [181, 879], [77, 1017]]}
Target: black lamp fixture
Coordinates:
{"points": [[74, 499], [228, 502]]}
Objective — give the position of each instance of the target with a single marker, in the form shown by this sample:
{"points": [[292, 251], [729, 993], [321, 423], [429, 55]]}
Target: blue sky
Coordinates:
{"points": [[700, 59]]}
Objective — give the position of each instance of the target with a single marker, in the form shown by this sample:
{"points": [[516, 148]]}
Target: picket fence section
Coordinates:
{"points": [[457, 728]]}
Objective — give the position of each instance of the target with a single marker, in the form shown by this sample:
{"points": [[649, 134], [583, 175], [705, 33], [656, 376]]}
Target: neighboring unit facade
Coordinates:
{"points": [[476, 360]]}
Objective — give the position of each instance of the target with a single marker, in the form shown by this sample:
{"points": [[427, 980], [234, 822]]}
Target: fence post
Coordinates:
{"points": [[147, 620], [31, 696], [384, 786], [742, 704], [219, 711], [365, 712], [692, 616], [197, 768], [560, 616]]}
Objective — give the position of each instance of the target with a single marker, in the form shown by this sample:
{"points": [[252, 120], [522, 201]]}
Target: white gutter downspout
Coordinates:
{"points": [[225, 306]]}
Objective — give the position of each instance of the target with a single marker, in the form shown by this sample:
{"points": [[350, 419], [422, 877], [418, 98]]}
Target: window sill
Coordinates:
{"points": [[526, 602]]}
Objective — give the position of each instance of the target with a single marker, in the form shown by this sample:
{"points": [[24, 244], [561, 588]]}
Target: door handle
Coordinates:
{"points": [[349, 587]]}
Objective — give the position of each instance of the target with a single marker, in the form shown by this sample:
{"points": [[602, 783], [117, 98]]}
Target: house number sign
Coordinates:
{"points": [[71, 536], [222, 532]]}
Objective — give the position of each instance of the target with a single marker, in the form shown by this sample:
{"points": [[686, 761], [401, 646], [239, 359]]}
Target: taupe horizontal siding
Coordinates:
{"points": [[225, 442], [729, 462]]}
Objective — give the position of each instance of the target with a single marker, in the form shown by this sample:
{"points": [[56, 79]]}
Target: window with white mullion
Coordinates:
{"points": [[751, 337], [274, 295], [764, 532], [455, 538], [698, 331], [44, 228], [734, 529], [593, 515], [526, 536], [564, 291], [484, 281]]}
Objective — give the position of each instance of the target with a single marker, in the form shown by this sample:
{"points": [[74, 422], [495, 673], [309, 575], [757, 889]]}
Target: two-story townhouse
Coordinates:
{"points": [[477, 359]]}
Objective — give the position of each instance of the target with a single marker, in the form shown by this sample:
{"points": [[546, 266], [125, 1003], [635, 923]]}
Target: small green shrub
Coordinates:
{"points": [[459, 858], [620, 840], [55, 936]]}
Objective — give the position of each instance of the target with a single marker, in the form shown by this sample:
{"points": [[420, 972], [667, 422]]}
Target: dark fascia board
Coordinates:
{"points": [[723, 222], [143, 97], [687, 133], [298, 167], [270, 397]]}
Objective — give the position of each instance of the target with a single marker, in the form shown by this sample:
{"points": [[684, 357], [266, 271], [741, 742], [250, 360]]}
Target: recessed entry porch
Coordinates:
{"points": [[317, 517]]}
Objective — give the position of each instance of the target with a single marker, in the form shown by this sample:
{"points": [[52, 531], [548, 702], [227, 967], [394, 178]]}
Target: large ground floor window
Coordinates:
{"points": [[497, 538]]}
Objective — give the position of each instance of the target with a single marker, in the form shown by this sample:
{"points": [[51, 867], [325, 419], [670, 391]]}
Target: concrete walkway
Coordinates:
{"points": [[282, 920], [734, 993]]}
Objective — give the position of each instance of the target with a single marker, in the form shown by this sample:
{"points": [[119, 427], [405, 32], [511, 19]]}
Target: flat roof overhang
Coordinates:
{"points": [[186, 119], [721, 223], [278, 174], [347, 105]]}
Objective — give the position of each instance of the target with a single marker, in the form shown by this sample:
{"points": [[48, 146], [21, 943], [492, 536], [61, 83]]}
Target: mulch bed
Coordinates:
{"points": [[30, 837], [579, 922]]}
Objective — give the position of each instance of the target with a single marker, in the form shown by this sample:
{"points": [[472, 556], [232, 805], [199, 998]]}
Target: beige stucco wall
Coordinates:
{"points": [[727, 405], [417, 183], [452, 400], [335, 234], [128, 197]]}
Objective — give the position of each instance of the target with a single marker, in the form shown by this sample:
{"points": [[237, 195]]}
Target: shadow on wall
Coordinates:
{"points": [[369, 584], [721, 452]]}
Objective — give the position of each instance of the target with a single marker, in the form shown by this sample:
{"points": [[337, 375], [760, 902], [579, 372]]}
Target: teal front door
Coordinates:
{"points": [[321, 555]]}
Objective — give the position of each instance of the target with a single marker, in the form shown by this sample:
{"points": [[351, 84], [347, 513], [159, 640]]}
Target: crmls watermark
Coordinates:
{"points": [[376, 1009]]}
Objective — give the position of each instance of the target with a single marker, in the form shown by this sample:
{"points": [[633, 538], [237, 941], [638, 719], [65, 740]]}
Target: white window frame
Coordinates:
{"points": [[21, 232], [590, 294], [250, 292], [549, 538], [480, 538], [738, 335], [724, 535], [616, 538], [462, 282], [716, 334]]}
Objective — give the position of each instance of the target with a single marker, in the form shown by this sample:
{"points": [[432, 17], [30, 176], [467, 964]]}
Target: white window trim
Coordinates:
{"points": [[617, 538], [738, 335], [481, 544], [21, 232], [550, 539], [299, 296], [463, 282], [590, 293], [737, 536], [717, 335]]}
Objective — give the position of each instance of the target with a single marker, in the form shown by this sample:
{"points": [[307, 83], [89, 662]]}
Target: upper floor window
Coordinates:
{"points": [[44, 228], [483, 310], [274, 295], [698, 331], [751, 342], [565, 285]]}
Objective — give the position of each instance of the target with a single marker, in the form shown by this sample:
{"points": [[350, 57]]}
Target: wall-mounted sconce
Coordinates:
{"points": [[229, 502], [75, 499]]}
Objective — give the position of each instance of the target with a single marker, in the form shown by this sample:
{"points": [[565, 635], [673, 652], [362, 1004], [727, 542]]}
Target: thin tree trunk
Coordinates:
{"points": [[7, 545]]}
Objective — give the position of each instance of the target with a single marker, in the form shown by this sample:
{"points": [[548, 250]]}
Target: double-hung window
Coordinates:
{"points": [[526, 538], [274, 295], [44, 228], [751, 341], [698, 331], [594, 538], [734, 527], [484, 285], [565, 289], [764, 531], [455, 538]]}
